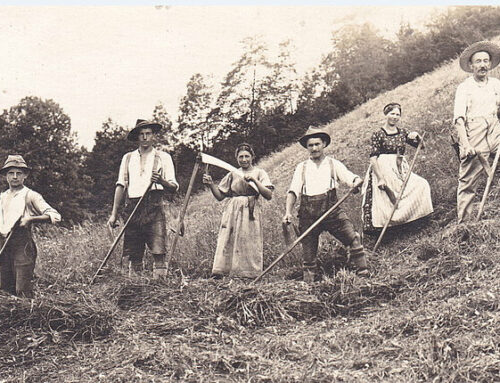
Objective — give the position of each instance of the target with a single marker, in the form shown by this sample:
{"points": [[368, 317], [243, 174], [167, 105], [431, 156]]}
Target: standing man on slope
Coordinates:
{"points": [[315, 181], [19, 208], [475, 116], [138, 170]]}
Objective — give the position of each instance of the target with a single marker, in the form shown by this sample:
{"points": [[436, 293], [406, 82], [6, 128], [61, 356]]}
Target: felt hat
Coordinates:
{"points": [[313, 132], [481, 46], [133, 135], [14, 161]]}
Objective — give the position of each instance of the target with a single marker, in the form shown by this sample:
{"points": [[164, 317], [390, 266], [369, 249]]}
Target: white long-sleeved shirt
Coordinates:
{"points": [[140, 170], [318, 178], [473, 99], [23, 203]]}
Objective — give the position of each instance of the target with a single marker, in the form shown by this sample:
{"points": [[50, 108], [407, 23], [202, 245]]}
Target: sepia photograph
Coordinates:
{"points": [[237, 192]]}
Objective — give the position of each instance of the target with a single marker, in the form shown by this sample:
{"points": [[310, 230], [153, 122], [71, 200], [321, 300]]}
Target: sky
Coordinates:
{"points": [[118, 62]]}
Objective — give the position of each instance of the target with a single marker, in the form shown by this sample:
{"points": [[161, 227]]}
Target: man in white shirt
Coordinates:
{"points": [[20, 207], [315, 181], [475, 116], [138, 170]]}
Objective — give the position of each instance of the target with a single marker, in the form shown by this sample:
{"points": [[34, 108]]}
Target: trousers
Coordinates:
{"points": [[470, 170], [337, 223], [147, 227], [17, 263]]}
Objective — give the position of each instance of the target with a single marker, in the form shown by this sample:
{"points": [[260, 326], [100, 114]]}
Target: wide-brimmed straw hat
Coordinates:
{"points": [[313, 132], [14, 161], [134, 133], [481, 46]]}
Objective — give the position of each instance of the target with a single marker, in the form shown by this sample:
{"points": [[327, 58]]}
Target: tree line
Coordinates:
{"points": [[261, 100]]}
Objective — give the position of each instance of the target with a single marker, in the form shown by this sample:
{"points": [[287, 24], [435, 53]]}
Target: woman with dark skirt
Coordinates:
{"points": [[386, 174]]}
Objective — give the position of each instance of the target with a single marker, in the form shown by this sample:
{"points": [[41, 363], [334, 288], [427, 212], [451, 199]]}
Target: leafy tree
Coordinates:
{"points": [[239, 102], [358, 61], [168, 135], [195, 113], [40, 131], [280, 87], [416, 53], [103, 162]]}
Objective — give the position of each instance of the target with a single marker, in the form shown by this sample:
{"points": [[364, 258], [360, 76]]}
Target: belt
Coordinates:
{"points": [[317, 197]]}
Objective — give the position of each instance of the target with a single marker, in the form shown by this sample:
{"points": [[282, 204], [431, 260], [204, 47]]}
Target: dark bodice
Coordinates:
{"points": [[384, 143]]}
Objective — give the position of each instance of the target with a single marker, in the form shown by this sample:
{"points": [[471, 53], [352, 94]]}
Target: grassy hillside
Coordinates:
{"points": [[430, 311], [427, 106]]}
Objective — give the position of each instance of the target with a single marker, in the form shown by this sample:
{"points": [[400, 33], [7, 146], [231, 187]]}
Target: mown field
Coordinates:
{"points": [[429, 313]]}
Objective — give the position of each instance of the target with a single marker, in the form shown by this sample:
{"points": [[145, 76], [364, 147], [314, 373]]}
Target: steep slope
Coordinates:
{"points": [[427, 104], [429, 312]]}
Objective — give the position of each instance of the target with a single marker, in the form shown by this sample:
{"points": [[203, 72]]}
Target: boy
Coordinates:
{"points": [[19, 208]]}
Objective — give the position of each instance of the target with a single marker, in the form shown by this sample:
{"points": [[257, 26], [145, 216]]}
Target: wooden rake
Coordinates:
{"points": [[488, 182], [304, 234], [400, 196]]}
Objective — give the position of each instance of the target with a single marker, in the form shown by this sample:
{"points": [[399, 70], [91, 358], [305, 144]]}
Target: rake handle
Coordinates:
{"points": [[400, 196], [488, 184], [110, 251], [183, 212], [304, 234]]}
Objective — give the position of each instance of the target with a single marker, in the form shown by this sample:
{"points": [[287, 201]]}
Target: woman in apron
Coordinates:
{"points": [[240, 244], [386, 174]]}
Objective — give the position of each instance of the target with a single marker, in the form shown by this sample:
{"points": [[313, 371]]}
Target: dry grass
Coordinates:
{"points": [[429, 313]]}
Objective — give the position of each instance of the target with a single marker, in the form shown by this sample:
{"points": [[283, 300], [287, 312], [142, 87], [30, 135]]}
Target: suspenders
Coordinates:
{"points": [[333, 175], [127, 162]]}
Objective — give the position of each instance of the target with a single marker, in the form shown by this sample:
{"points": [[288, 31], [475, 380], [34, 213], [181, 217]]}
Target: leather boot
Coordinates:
{"points": [[358, 260]]}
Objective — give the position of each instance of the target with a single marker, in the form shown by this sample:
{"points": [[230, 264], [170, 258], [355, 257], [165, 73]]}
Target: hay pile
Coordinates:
{"points": [[28, 328], [72, 317], [201, 302]]}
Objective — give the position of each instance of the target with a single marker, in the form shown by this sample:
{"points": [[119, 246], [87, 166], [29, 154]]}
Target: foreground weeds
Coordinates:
{"points": [[429, 312], [432, 315]]}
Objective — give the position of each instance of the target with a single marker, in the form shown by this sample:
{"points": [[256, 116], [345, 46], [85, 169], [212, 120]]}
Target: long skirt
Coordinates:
{"points": [[240, 245], [415, 203]]}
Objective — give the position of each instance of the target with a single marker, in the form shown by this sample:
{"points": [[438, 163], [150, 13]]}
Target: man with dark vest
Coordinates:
{"points": [[475, 116], [138, 170], [315, 182], [20, 207]]}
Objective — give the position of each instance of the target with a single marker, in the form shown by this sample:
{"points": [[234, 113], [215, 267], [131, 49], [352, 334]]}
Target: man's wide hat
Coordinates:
{"points": [[14, 161], [481, 46], [313, 132], [133, 135]]}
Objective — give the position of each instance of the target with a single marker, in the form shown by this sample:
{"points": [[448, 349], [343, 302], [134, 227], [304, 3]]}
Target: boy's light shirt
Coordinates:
{"points": [[23, 203]]}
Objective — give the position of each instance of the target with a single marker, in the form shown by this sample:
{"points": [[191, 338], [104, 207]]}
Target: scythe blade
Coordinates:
{"points": [[211, 160]]}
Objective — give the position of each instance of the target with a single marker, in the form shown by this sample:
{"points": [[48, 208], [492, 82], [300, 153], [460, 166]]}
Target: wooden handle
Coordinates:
{"points": [[304, 234], [183, 212], [379, 240], [108, 255], [488, 184]]}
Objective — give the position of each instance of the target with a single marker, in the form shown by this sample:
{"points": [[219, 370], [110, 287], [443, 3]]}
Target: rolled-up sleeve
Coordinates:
{"points": [[225, 184], [168, 169], [460, 108], [263, 177], [38, 206], [296, 184], [411, 141], [343, 174], [121, 172]]}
